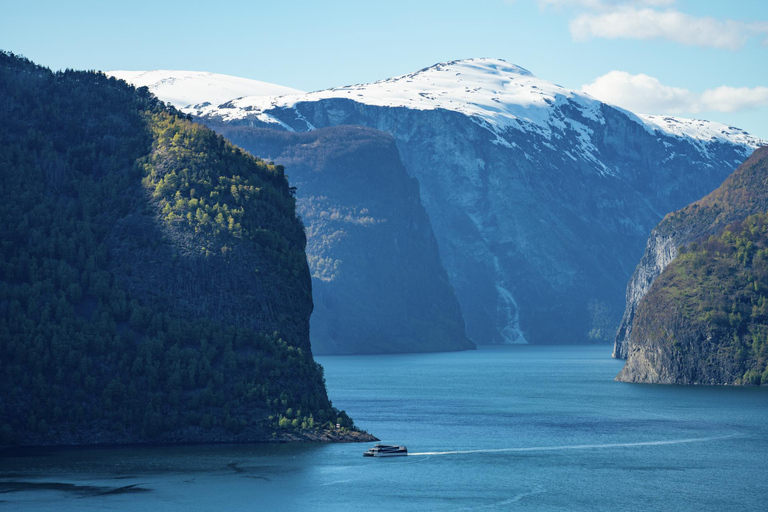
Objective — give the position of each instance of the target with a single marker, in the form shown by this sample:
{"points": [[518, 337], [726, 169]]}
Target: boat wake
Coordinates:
{"points": [[581, 446]]}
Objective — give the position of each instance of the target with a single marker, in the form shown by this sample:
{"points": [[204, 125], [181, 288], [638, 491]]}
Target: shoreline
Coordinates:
{"points": [[320, 436]]}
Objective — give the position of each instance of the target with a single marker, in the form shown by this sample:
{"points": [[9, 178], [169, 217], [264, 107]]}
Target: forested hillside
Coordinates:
{"points": [[743, 193], [153, 282], [705, 319]]}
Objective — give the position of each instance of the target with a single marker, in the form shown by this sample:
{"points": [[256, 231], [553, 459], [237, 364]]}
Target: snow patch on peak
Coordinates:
{"points": [[701, 130], [486, 65], [492, 92], [189, 89]]}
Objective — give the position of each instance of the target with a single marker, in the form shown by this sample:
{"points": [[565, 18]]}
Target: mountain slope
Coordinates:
{"points": [[540, 198], [153, 283], [378, 284], [743, 193]]}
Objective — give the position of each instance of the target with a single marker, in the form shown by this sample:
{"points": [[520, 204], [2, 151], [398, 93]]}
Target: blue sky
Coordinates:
{"points": [[704, 59]]}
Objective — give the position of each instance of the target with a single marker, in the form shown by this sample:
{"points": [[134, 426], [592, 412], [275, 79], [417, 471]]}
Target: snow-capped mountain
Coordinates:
{"points": [[541, 198], [702, 132], [492, 92], [193, 89]]}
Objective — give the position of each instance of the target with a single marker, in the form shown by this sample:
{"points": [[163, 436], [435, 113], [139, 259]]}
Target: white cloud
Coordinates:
{"points": [[731, 99], [628, 22], [646, 94], [654, 19]]}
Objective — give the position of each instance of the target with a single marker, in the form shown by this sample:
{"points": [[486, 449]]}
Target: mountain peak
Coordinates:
{"points": [[479, 64], [494, 93], [492, 76]]}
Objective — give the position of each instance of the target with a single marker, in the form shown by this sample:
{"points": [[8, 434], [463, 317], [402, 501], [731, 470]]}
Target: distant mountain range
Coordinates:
{"points": [[540, 197]]}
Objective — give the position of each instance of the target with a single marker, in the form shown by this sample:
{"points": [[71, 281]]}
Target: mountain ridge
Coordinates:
{"points": [[494, 95]]}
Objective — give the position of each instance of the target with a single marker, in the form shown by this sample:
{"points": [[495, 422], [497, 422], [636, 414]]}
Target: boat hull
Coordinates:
{"points": [[385, 450]]}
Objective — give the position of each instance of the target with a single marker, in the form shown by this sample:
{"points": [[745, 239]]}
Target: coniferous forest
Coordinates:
{"points": [[153, 280]]}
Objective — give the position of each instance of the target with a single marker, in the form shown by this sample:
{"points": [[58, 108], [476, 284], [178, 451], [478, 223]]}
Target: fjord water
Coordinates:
{"points": [[500, 428]]}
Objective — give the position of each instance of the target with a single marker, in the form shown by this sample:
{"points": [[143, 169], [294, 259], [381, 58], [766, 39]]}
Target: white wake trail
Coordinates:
{"points": [[581, 446]]}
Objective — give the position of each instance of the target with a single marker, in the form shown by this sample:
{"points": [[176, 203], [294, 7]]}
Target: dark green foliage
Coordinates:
{"points": [[113, 208]]}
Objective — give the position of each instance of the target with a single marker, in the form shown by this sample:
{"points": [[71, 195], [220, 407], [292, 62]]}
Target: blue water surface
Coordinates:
{"points": [[500, 428]]}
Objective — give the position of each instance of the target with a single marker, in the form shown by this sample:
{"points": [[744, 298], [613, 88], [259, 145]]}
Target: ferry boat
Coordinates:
{"points": [[386, 450]]}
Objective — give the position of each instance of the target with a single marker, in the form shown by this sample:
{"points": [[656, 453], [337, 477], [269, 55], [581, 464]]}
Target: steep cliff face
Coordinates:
{"points": [[705, 318], [659, 252], [378, 283], [743, 193], [540, 198], [674, 351], [121, 320]]}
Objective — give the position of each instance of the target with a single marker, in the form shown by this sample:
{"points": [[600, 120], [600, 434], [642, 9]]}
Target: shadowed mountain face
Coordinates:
{"points": [[378, 283]]}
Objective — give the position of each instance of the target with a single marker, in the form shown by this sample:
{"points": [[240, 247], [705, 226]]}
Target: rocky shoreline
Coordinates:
{"points": [[84, 439], [327, 436]]}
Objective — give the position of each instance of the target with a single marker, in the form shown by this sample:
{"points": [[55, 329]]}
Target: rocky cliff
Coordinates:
{"points": [[705, 318], [743, 193], [377, 280]]}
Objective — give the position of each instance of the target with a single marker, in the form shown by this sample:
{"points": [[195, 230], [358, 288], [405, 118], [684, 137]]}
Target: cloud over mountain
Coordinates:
{"points": [[643, 93]]}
